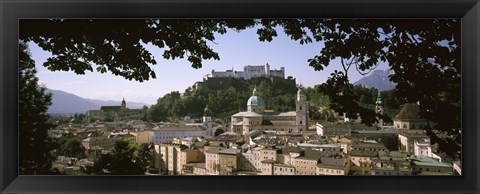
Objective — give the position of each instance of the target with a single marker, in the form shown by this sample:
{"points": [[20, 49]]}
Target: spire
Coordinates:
{"points": [[124, 104], [379, 99], [206, 111], [254, 91], [378, 103]]}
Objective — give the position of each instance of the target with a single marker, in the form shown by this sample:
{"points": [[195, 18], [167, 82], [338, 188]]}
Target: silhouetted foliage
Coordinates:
{"points": [[219, 131], [72, 148], [118, 45], [35, 145], [391, 142], [124, 160]]}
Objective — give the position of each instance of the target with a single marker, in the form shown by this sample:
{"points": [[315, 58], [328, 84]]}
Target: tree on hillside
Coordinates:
{"points": [[72, 148], [35, 145], [218, 132], [123, 160], [144, 155]]}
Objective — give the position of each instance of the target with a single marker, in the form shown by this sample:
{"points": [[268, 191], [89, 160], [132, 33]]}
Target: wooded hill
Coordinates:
{"points": [[227, 96]]}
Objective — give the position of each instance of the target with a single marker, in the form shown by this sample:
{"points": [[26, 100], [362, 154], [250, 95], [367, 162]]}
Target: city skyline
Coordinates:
{"points": [[235, 51]]}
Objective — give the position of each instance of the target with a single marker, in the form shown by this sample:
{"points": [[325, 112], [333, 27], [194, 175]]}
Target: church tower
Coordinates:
{"points": [[302, 111], [124, 104], [379, 108], [207, 121]]}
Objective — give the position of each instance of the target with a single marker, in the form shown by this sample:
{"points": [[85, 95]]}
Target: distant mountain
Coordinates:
{"points": [[67, 103], [377, 79]]}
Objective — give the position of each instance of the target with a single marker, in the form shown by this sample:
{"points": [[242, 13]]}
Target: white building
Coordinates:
{"points": [[407, 140], [319, 128], [422, 147], [250, 72], [166, 132]]}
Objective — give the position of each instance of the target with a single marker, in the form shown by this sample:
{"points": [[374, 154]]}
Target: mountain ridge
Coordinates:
{"points": [[378, 79], [68, 103]]}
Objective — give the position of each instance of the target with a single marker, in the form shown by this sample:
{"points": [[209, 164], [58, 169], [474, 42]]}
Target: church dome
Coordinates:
{"points": [[255, 101]]}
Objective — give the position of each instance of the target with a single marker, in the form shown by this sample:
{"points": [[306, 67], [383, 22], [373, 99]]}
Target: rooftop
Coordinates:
{"points": [[426, 161], [213, 150], [340, 162], [179, 127], [409, 111], [319, 145], [363, 153], [229, 151]]}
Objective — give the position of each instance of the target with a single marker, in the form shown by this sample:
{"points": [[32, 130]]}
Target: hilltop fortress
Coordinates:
{"points": [[249, 72], [221, 79]]}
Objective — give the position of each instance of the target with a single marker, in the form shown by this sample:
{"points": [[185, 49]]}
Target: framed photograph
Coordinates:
{"points": [[188, 97]]}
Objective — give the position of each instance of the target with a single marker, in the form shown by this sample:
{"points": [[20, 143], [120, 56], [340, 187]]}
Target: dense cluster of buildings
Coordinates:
{"points": [[266, 142]]}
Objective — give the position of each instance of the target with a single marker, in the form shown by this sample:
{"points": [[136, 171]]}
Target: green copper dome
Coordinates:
{"points": [[255, 101]]}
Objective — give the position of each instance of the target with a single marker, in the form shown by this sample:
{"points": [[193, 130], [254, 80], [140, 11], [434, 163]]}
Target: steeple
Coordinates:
{"points": [[206, 112], [207, 121], [254, 91], [379, 104], [379, 109], [124, 104]]}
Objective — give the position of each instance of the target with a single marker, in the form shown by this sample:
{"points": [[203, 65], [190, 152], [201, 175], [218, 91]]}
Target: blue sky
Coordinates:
{"points": [[236, 50]]}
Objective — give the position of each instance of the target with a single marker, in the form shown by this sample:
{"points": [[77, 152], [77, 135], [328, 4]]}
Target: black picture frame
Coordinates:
{"points": [[11, 11]]}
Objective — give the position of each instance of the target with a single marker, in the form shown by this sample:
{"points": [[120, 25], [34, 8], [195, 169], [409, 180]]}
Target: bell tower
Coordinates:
{"points": [[301, 111], [379, 109], [207, 121]]}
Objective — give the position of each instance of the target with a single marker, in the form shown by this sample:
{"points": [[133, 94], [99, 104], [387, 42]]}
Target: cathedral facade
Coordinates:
{"points": [[257, 118]]}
